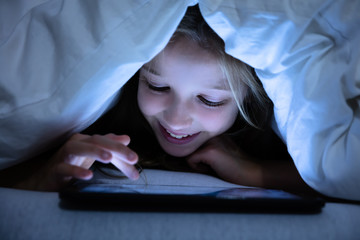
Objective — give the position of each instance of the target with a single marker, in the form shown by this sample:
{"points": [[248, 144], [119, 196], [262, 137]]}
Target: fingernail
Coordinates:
{"points": [[135, 175], [105, 155], [86, 175], [131, 156]]}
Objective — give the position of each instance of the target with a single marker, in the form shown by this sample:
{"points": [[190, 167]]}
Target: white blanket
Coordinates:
{"points": [[63, 62]]}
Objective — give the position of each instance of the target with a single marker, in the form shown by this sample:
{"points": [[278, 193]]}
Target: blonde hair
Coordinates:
{"points": [[241, 77]]}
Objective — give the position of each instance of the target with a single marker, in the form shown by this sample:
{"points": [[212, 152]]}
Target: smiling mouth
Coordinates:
{"points": [[177, 138]]}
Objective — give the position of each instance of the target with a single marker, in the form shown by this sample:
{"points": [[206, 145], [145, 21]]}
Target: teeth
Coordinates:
{"points": [[177, 136]]}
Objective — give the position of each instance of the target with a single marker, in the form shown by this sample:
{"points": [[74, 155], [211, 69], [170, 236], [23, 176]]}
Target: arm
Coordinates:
{"points": [[230, 163]]}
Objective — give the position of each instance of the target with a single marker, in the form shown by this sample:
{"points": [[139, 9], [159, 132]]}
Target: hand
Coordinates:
{"points": [[221, 155], [76, 156]]}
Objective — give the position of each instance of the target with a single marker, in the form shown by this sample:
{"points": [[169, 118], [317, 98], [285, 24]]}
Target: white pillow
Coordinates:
{"points": [[63, 62], [307, 55]]}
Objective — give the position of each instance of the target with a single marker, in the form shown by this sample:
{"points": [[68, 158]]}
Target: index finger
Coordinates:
{"points": [[116, 148], [128, 169], [124, 139]]}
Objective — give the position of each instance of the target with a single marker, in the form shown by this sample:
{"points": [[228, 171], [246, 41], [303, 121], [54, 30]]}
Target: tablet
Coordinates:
{"points": [[160, 190]]}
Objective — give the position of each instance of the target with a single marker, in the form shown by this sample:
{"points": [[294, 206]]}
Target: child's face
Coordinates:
{"points": [[185, 97]]}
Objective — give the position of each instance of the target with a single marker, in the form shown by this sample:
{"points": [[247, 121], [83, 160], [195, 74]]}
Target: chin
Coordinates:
{"points": [[179, 152]]}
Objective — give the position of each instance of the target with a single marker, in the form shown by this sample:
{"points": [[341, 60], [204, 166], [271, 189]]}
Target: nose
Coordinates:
{"points": [[178, 115]]}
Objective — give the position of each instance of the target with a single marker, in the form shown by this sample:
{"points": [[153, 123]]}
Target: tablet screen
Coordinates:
{"points": [[175, 191]]}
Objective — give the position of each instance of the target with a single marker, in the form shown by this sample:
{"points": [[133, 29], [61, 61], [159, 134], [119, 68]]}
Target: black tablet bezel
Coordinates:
{"points": [[73, 198]]}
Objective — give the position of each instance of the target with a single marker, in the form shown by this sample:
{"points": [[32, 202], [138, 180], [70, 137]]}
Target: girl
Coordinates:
{"points": [[191, 108]]}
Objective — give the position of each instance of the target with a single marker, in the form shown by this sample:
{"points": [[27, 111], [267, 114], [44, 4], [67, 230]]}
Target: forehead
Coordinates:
{"points": [[185, 59]]}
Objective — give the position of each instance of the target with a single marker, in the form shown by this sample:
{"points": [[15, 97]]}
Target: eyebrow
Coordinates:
{"points": [[222, 86], [217, 87], [151, 70]]}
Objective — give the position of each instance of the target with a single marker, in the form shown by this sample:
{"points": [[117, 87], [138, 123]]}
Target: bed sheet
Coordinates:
{"points": [[39, 215]]}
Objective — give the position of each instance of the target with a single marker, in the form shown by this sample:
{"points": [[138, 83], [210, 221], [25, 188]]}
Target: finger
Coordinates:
{"points": [[199, 163], [68, 170], [117, 149], [86, 162], [78, 137], [201, 167], [77, 151], [129, 170], [193, 161], [124, 139]]}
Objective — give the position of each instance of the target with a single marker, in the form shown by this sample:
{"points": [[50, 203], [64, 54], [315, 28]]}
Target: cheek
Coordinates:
{"points": [[148, 103], [219, 121]]}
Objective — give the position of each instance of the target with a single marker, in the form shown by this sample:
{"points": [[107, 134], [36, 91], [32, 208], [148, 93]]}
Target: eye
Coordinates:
{"points": [[154, 87], [157, 89], [211, 103]]}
